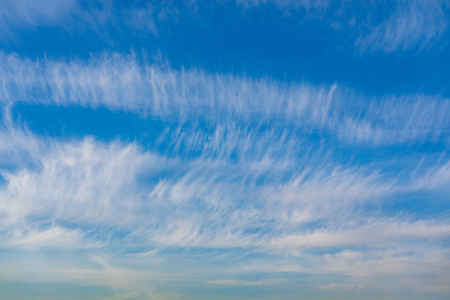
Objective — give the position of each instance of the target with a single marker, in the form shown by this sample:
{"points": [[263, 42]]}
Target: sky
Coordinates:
{"points": [[225, 149]]}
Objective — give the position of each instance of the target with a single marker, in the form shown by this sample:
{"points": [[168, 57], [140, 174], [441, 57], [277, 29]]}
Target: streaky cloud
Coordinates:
{"points": [[120, 82]]}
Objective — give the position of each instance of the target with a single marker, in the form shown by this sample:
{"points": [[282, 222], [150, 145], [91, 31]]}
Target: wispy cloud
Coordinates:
{"points": [[121, 83], [221, 181], [287, 5], [80, 182], [387, 26], [390, 26], [415, 23], [55, 237], [73, 15], [30, 13], [97, 195]]}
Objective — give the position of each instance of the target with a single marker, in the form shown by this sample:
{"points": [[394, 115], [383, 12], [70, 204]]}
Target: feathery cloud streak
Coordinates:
{"points": [[121, 83]]}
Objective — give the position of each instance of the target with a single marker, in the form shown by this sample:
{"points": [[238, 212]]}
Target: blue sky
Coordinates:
{"points": [[248, 149]]}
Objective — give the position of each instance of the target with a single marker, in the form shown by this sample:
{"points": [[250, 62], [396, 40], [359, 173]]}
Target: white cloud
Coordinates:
{"points": [[73, 15], [90, 195], [80, 181], [287, 5], [122, 83], [253, 190], [414, 23], [19, 15], [387, 26], [417, 23], [141, 19], [209, 201], [55, 237], [374, 233], [32, 13], [398, 119], [436, 178], [245, 194]]}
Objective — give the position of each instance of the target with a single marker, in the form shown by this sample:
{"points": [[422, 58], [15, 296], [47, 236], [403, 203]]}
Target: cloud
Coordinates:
{"points": [[403, 269], [55, 237], [376, 233], [209, 201], [250, 182], [436, 178], [115, 200], [415, 23], [236, 282], [287, 4], [79, 181], [386, 26], [73, 15], [335, 286], [120, 82], [398, 119], [141, 19], [31, 13], [23, 15]]}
